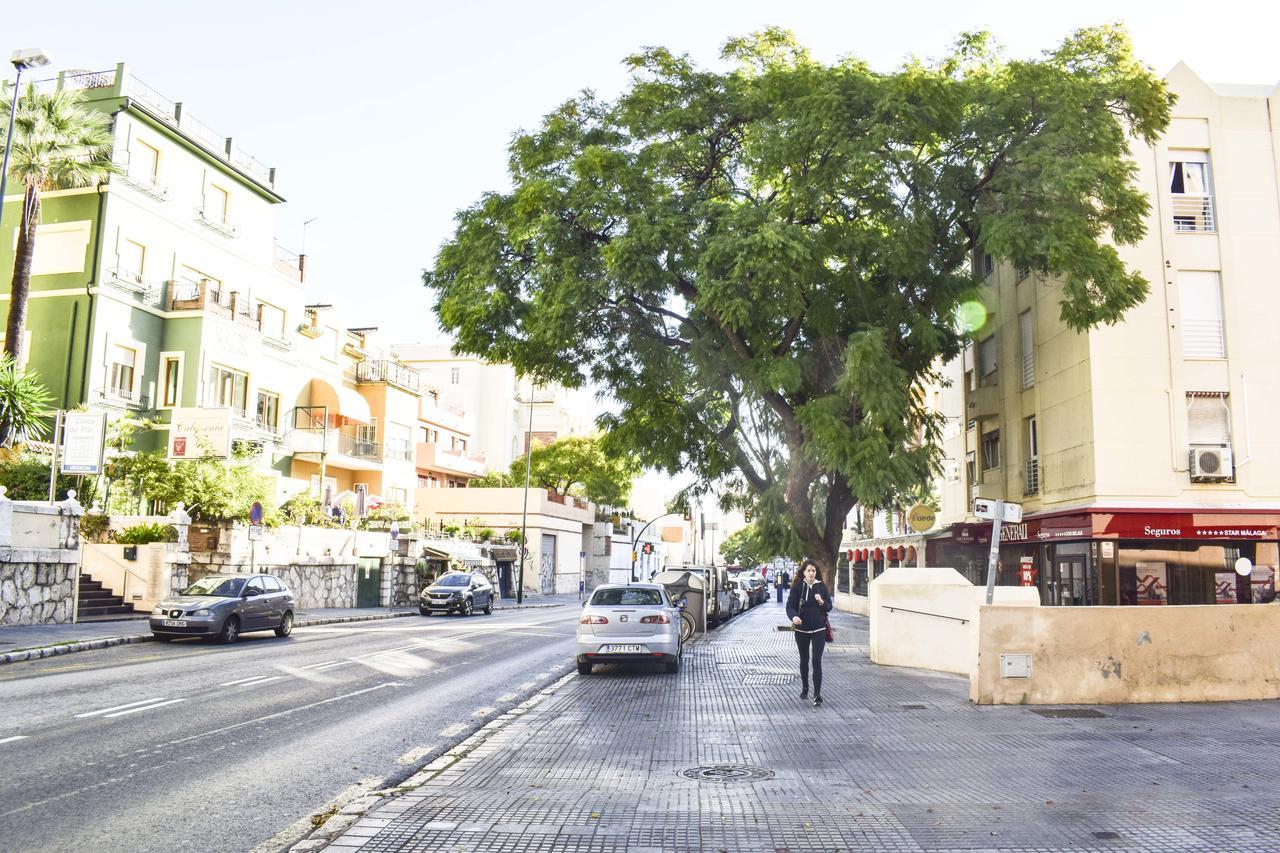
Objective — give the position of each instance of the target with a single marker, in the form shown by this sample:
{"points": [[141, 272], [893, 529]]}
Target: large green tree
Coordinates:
{"points": [[763, 265], [576, 465], [58, 143]]}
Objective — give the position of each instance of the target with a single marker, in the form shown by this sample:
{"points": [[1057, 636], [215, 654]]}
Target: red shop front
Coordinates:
{"points": [[1126, 556]]}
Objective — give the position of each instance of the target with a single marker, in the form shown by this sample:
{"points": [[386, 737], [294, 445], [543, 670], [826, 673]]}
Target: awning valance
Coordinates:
{"points": [[341, 400]]}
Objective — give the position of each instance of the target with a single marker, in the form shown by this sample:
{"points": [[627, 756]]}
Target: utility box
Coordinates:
{"points": [[1015, 666]]}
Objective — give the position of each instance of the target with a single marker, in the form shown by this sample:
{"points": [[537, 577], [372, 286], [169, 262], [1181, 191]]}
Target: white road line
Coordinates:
{"points": [[480, 712], [333, 665], [410, 757], [455, 729], [12, 739], [261, 680], [145, 708], [322, 665], [240, 681], [285, 713], [119, 707]]}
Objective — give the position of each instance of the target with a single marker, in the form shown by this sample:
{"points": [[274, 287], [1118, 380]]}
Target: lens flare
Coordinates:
{"points": [[971, 315]]}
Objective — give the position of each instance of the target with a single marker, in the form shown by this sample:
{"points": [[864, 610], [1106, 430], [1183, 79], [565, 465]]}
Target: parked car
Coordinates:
{"points": [[224, 607], [754, 585], [720, 608], [741, 594], [457, 592], [628, 623]]}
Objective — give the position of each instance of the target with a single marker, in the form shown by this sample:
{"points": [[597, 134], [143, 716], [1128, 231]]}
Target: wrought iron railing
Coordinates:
{"points": [[1031, 478], [388, 370]]}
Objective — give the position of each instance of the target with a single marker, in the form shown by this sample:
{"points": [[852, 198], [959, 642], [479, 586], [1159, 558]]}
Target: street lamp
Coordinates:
{"points": [[636, 541], [524, 519], [30, 57]]}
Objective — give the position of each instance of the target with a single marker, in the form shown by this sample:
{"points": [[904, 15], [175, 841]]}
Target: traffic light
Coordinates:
{"points": [[746, 513], [647, 548], [688, 515]]}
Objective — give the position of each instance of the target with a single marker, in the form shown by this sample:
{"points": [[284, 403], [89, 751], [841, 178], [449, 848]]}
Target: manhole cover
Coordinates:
{"points": [[727, 773], [1068, 712]]}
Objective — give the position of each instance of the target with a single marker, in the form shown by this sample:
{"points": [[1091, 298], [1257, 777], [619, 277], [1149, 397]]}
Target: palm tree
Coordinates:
{"points": [[23, 402], [58, 143]]}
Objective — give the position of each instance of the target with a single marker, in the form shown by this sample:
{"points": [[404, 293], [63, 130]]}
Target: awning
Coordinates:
{"points": [[341, 400], [467, 553]]}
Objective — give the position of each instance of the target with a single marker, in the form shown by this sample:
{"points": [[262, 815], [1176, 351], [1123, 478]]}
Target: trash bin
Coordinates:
{"points": [[691, 587]]}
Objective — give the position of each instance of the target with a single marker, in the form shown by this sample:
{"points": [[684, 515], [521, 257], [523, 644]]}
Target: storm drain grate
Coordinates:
{"points": [[1106, 836], [1074, 713], [767, 678], [726, 773], [913, 707]]}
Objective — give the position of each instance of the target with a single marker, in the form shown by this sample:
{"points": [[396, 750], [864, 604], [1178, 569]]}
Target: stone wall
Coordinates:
{"points": [[320, 582], [37, 593]]}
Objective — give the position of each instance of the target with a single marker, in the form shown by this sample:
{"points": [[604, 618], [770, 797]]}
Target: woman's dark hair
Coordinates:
{"points": [[799, 579]]}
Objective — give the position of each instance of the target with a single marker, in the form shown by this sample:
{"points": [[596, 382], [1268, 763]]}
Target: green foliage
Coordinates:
{"points": [[381, 517], [513, 536], [145, 534], [211, 489], [581, 466], [304, 510], [484, 534], [93, 526], [23, 403], [451, 529], [495, 480], [762, 266], [743, 547], [135, 478], [26, 478]]}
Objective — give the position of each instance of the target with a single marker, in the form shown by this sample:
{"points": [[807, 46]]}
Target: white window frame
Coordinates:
{"points": [[221, 217], [135, 276], [1204, 333], [257, 397], [212, 391], [136, 173], [988, 350], [982, 445], [139, 365], [1027, 341], [165, 357]]}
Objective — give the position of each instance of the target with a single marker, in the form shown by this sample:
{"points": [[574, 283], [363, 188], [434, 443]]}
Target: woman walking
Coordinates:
{"points": [[808, 605]]}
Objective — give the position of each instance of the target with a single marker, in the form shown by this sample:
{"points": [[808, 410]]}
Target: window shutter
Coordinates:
{"points": [[1207, 419], [1200, 295], [1028, 349]]}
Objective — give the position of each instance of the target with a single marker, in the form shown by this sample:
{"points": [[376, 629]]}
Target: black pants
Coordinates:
{"points": [[819, 642]]}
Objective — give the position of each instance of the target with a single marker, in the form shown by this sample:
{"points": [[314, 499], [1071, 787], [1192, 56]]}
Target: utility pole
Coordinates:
{"points": [[524, 519]]}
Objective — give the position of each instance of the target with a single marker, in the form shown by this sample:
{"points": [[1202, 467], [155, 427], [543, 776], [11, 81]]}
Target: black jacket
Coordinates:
{"points": [[813, 615]]}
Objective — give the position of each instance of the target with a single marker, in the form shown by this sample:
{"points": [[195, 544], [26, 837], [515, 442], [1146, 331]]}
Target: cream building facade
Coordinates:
{"points": [[1144, 453]]}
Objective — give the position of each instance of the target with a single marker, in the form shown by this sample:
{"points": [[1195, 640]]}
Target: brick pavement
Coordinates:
{"points": [[896, 760]]}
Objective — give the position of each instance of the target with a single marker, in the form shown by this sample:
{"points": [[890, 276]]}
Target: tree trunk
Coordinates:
{"points": [[21, 287]]}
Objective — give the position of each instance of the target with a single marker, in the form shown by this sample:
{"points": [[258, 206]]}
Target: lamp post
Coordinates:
{"points": [[22, 59], [524, 518], [636, 541]]}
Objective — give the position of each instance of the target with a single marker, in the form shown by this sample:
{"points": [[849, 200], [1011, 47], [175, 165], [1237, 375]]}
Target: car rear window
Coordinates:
{"points": [[626, 597]]}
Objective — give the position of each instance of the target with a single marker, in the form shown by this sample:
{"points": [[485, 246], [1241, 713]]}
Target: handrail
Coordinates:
{"points": [[117, 562], [891, 609]]}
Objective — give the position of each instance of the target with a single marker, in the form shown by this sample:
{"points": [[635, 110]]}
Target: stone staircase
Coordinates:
{"points": [[97, 603]]}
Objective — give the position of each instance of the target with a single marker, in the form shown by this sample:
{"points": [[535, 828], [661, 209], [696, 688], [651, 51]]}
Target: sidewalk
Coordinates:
{"points": [[726, 757], [25, 642]]}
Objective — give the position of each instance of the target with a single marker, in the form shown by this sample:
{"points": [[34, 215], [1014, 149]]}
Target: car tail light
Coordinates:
{"points": [[589, 619], [660, 619]]}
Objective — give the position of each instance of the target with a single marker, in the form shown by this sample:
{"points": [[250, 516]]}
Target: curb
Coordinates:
{"points": [[89, 645], [356, 810]]}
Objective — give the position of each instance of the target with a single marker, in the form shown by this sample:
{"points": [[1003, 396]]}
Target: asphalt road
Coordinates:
{"points": [[190, 746]]}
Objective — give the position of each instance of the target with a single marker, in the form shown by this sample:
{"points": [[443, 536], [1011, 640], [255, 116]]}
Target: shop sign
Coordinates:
{"points": [[83, 436], [1187, 525], [195, 433], [921, 517]]}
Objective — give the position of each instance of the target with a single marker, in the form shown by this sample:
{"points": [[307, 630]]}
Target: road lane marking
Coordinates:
{"points": [[253, 682], [12, 739], [144, 708], [455, 729], [322, 665], [413, 756], [285, 712], [120, 707], [481, 712]]}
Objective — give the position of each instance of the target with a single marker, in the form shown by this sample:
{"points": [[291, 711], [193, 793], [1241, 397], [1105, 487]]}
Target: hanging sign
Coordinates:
{"points": [[83, 437]]}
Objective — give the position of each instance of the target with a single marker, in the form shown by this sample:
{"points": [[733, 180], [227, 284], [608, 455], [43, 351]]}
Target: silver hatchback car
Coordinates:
{"points": [[628, 623], [223, 607]]}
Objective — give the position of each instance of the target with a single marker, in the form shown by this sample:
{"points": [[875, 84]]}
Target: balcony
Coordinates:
{"points": [[118, 398], [1031, 478], [1193, 212], [391, 372], [185, 296], [433, 457], [983, 402], [216, 223]]}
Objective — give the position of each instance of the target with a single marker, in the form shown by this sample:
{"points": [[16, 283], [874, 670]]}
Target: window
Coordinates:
{"points": [[124, 362], [228, 389], [329, 344], [987, 357], [1200, 295], [1208, 418], [1191, 191], [970, 468], [1027, 339], [1031, 480], [455, 375], [191, 279], [133, 258], [397, 495], [171, 377], [216, 203], [1021, 273], [397, 442], [457, 445], [268, 410], [367, 438], [426, 435], [144, 162], [271, 320], [988, 264], [991, 450]]}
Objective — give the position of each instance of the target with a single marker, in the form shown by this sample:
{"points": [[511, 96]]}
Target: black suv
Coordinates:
{"points": [[457, 592]]}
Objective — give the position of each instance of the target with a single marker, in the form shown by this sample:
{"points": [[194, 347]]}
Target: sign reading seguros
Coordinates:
{"points": [[197, 433]]}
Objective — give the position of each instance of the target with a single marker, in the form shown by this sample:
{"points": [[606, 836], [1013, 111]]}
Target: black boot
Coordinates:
{"points": [[817, 700], [804, 690]]}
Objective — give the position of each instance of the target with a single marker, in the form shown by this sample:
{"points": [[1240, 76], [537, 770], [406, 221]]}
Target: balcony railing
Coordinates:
{"points": [[357, 447], [127, 399], [1193, 212], [214, 223], [1031, 478], [393, 372]]}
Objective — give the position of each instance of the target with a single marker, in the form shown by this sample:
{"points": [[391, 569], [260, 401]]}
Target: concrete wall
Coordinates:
{"points": [[1111, 655], [39, 555], [141, 582], [846, 601], [927, 618]]}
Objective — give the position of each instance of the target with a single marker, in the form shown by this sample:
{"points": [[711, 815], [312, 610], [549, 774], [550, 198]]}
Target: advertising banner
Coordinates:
{"points": [[83, 435], [197, 433]]}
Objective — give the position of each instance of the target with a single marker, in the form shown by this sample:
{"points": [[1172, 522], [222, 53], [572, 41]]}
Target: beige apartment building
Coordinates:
{"points": [[1145, 454]]}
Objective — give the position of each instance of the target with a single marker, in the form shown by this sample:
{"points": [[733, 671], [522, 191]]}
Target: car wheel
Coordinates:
{"points": [[467, 608], [488, 606], [673, 665], [286, 625], [230, 630], [424, 611], [584, 667]]}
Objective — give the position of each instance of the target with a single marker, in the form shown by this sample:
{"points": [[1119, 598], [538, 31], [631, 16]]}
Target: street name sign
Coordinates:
{"points": [[984, 508]]}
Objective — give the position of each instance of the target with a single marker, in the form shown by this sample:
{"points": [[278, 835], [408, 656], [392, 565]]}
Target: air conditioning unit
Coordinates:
{"points": [[1211, 464]]}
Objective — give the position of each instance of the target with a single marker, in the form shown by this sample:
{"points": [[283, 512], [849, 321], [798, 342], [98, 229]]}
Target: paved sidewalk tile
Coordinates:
{"points": [[897, 760]]}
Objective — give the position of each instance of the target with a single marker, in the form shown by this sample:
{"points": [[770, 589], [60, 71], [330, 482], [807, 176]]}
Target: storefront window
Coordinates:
{"points": [[1196, 573]]}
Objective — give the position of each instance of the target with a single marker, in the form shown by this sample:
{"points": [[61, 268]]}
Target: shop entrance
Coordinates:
{"points": [[1070, 583]]}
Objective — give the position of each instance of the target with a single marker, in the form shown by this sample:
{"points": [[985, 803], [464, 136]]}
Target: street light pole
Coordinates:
{"points": [[636, 541], [524, 519], [21, 59]]}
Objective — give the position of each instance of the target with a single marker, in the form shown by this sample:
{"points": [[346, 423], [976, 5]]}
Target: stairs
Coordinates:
{"points": [[99, 604]]}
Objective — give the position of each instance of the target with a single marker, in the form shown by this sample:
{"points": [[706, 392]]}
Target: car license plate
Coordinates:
{"points": [[621, 650], [175, 623]]}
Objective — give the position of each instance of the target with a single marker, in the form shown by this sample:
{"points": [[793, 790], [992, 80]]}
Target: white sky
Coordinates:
{"points": [[384, 118]]}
